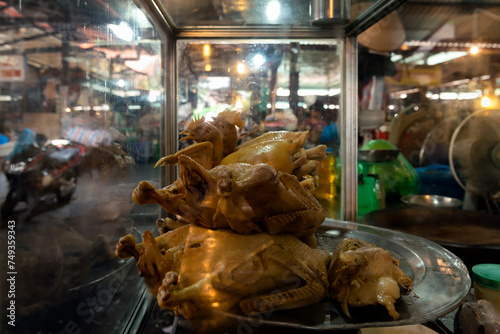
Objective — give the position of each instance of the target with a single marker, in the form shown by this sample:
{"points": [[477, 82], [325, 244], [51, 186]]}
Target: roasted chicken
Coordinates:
{"points": [[246, 198], [249, 240], [196, 271], [364, 274], [215, 144], [213, 140], [204, 133], [227, 123]]}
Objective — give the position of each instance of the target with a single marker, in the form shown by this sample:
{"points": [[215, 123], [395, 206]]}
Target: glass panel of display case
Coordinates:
{"points": [[81, 93], [259, 13], [275, 86], [433, 96]]}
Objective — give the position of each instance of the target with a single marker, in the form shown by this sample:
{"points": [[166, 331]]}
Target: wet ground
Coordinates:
{"points": [[66, 272]]}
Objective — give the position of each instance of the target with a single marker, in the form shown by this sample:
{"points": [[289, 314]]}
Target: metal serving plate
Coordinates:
{"points": [[432, 201], [441, 282]]}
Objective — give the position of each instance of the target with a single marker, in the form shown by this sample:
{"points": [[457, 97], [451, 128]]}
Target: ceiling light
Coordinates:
{"points": [[154, 95], [282, 92], [414, 57], [467, 95], [317, 92], [448, 95], [273, 10], [396, 58], [239, 104], [474, 50], [258, 60], [241, 68], [442, 57], [485, 102], [206, 50], [208, 68]]}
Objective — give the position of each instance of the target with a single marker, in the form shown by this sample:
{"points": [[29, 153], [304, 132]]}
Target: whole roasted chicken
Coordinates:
{"points": [[213, 140], [227, 123], [263, 185], [364, 274], [215, 143], [198, 272], [244, 197]]}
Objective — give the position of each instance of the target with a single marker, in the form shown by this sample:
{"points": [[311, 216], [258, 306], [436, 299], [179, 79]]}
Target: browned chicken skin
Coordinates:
{"points": [[202, 132], [250, 240], [246, 198], [364, 274], [226, 122], [195, 270]]}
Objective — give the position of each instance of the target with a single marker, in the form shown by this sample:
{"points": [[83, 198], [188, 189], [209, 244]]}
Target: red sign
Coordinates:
{"points": [[12, 68]]}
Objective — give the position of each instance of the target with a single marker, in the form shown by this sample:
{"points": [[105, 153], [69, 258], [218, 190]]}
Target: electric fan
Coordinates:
{"points": [[474, 155]]}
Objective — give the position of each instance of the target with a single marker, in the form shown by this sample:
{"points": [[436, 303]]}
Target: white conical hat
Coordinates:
{"points": [[386, 35]]}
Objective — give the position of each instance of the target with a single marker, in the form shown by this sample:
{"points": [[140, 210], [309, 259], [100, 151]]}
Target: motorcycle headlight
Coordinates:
{"points": [[17, 168]]}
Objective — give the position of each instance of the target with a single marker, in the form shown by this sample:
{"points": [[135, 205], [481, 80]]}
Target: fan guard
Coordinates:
{"points": [[474, 154]]}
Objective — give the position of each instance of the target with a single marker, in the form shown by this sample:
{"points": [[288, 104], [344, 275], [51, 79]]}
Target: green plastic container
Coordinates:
{"points": [[486, 278]]}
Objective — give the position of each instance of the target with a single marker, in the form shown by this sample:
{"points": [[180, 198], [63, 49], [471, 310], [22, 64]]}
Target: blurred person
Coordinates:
{"points": [[314, 124], [330, 134], [10, 131]]}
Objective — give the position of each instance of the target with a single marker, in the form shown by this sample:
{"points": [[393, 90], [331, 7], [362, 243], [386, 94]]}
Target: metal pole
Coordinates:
{"points": [[349, 129]]}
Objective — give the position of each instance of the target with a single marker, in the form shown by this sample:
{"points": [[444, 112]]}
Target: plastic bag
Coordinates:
{"points": [[398, 177]]}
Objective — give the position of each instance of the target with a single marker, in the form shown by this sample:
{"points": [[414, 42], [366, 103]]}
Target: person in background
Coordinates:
{"points": [[314, 124], [26, 140], [330, 134], [8, 138]]}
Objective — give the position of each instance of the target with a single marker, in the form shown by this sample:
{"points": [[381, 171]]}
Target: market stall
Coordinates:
{"points": [[195, 165]]}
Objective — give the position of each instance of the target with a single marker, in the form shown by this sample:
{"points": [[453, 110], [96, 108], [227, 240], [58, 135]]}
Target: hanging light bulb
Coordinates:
{"points": [[206, 50], [238, 103], [485, 102], [273, 10], [474, 50], [208, 68], [241, 68]]}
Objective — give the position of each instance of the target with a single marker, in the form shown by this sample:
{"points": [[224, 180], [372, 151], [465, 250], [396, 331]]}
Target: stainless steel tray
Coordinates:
{"points": [[441, 282]]}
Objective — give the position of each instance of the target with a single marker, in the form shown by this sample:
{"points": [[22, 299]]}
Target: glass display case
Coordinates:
{"points": [[82, 98], [403, 94]]}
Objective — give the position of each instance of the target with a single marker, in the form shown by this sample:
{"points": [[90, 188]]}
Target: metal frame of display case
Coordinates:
{"points": [[349, 94]]}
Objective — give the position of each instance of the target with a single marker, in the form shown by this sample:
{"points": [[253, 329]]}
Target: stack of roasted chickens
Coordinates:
{"points": [[244, 236]]}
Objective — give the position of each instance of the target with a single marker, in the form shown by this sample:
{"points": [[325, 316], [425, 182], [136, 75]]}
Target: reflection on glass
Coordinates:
{"points": [[80, 92], [258, 13], [435, 83], [288, 86]]}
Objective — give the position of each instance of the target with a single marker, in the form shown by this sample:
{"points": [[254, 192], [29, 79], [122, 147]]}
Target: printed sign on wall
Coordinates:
{"points": [[12, 68]]}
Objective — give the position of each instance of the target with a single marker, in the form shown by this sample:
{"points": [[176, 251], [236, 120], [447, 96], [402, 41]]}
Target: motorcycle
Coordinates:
{"points": [[43, 170]]}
